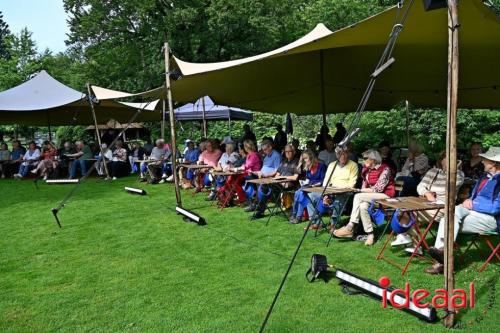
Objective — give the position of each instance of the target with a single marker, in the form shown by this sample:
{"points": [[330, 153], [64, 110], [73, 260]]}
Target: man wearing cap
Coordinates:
{"points": [[478, 214]]}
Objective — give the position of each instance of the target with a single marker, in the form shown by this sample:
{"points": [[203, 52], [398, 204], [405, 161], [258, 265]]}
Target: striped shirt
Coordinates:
{"points": [[435, 181]]}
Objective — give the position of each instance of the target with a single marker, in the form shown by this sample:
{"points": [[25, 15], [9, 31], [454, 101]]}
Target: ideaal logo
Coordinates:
{"points": [[400, 298]]}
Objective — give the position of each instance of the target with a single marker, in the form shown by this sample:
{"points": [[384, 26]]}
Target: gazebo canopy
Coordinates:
{"points": [[194, 111], [327, 72], [186, 112], [43, 100]]}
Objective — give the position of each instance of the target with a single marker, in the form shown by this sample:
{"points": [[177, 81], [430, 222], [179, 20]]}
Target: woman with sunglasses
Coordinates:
{"points": [[378, 183]]}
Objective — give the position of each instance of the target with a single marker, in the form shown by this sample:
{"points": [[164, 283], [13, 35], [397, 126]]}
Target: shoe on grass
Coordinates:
{"points": [[402, 239], [435, 269], [412, 249], [370, 240], [344, 232], [250, 208], [293, 220], [161, 181], [437, 254]]}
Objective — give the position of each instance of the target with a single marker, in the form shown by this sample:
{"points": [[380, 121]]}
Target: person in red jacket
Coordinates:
{"points": [[378, 183]]}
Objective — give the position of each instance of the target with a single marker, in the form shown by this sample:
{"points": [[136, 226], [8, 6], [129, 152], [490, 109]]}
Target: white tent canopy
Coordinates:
{"points": [[43, 100], [40, 93]]}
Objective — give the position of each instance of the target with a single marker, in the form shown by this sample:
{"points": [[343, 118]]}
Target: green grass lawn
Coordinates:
{"points": [[129, 263]]}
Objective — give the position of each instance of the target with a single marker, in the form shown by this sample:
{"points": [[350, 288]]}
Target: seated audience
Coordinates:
{"points": [[310, 145], [280, 139], [384, 148], [315, 174], [433, 188], [252, 163], [328, 155], [49, 160], [321, 138], [83, 153], [270, 163], [209, 157], [108, 156], [298, 152], [191, 155], [30, 160], [345, 175], [340, 133], [288, 168], [378, 183], [136, 153], [478, 214], [118, 165], [16, 157], [226, 161], [64, 160], [4, 158], [154, 165], [248, 134], [473, 168], [415, 167]]}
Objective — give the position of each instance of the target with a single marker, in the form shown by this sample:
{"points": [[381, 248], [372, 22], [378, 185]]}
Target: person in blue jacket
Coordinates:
{"points": [[478, 214], [315, 173]]}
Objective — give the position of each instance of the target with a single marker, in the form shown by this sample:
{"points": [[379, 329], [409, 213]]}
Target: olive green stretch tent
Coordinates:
{"points": [[43, 101], [327, 72]]}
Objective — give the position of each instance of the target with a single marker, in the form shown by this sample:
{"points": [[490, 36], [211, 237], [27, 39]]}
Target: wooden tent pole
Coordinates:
{"points": [[172, 125], [451, 156], [204, 120], [163, 120], [98, 134]]}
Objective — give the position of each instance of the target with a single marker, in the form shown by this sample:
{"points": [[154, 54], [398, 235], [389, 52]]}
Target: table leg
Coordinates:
{"points": [[420, 242]]}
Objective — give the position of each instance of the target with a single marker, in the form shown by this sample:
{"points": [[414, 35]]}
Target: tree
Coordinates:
{"points": [[4, 36]]}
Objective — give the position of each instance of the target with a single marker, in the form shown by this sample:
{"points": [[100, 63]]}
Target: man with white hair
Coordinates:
{"points": [[478, 214], [155, 162], [342, 173]]}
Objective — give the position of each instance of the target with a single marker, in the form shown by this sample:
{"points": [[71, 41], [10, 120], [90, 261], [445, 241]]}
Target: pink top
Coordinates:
{"points": [[210, 159], [253, 162]]}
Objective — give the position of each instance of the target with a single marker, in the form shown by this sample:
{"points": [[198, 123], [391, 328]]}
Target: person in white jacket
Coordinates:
{"points": [[30, 160]]}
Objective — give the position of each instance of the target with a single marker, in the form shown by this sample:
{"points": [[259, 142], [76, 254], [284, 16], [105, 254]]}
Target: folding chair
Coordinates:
{"points": [[337, 211], [485, 238]]}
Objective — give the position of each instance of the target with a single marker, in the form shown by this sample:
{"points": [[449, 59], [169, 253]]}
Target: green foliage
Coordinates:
{"points": [[4, 35], [73, 133]]}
